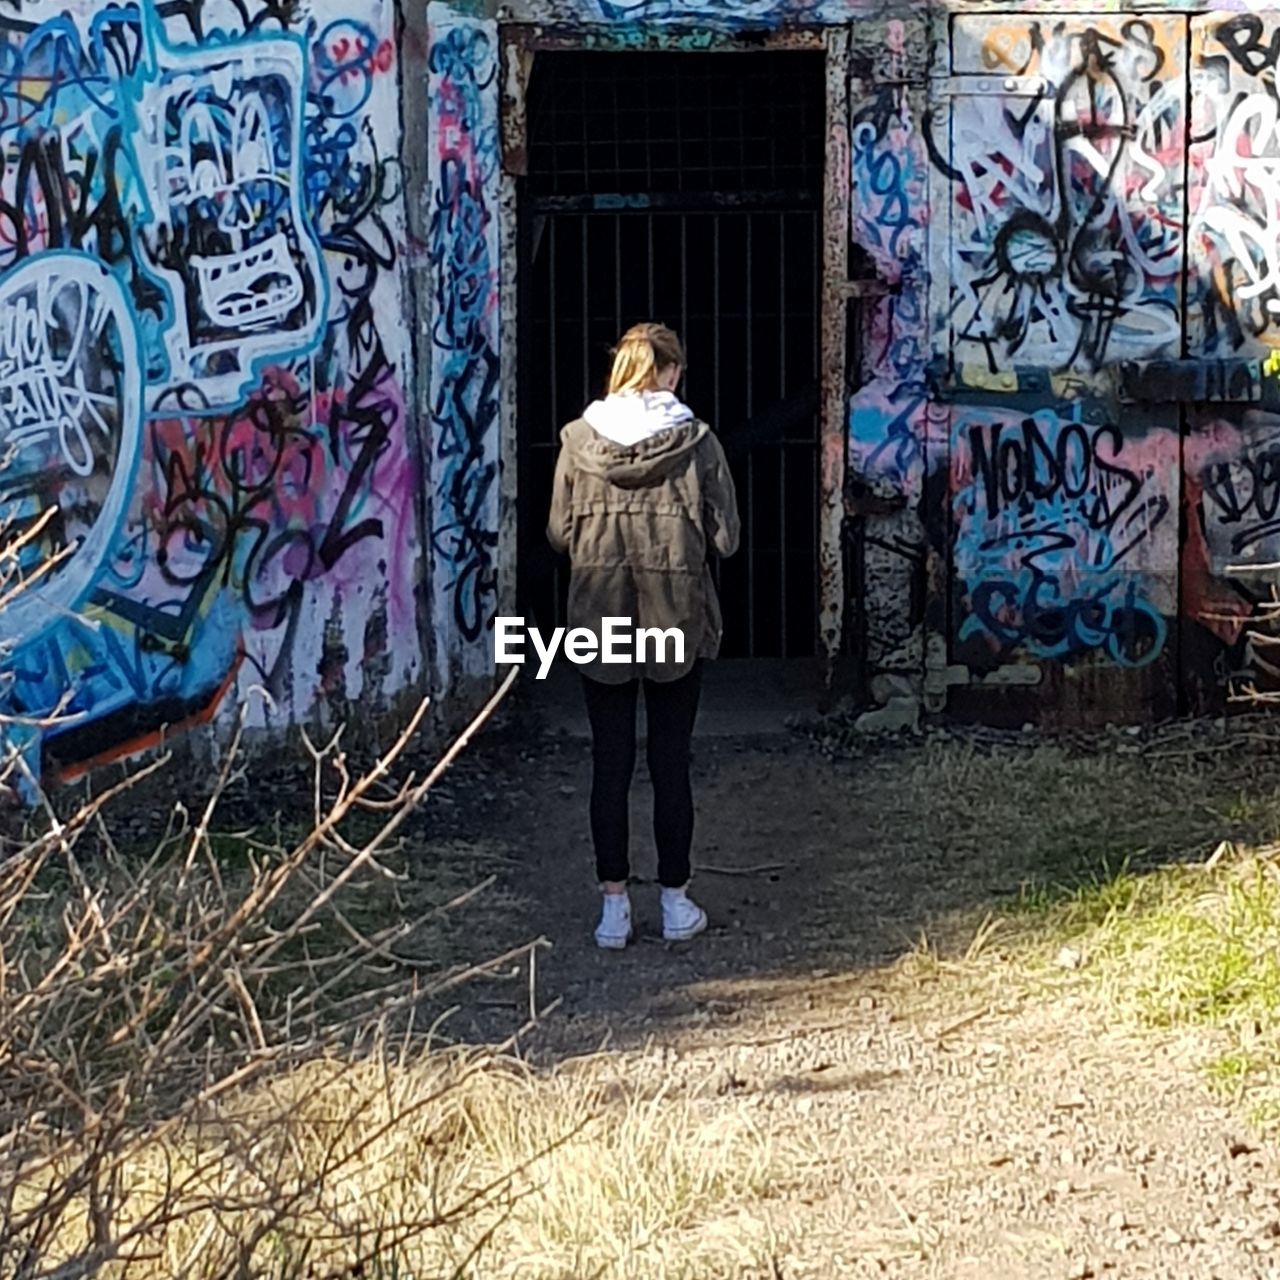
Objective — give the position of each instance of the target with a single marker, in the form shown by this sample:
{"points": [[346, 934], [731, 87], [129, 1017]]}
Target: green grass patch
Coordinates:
{"points": [[1105, 853], [1206, 949], [1100, 896], [1183, 947]]}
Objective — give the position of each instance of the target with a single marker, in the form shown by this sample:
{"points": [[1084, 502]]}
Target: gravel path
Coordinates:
{"points": [[1030, 1144], [939, 1120]]}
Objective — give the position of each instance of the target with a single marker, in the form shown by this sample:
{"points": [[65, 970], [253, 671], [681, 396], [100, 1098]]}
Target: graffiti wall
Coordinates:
{"points": [[462, 221], [208, 476], [889, 411], [1233, 316], [223, 486], [1063, 386], [1234, 251], [1065, 527], [1232, 496], [1067, 190]]}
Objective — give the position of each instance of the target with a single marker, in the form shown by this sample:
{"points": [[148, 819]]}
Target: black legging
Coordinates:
{"points": [[671, 706]]}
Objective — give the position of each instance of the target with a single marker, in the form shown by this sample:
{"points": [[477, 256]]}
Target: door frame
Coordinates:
{"points": [[519, 45]]}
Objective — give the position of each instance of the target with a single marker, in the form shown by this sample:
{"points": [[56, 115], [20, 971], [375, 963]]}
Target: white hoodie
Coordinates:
{"points": [[635, 416]]}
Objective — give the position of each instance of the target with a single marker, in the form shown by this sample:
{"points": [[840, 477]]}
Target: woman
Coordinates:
{"points": [[642, 494]]}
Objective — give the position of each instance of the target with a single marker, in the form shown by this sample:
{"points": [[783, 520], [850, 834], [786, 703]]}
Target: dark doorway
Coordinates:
{"points": [[684, 188]]}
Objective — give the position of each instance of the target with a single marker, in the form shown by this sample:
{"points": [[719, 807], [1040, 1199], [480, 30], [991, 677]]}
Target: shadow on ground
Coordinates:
{"points": [[820, 858]]}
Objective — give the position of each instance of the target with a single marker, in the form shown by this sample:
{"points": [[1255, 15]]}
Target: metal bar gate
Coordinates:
{"points": [[685, 188]]}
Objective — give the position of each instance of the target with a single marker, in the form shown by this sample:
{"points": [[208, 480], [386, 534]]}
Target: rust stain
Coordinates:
{"points": [[517, 67]]}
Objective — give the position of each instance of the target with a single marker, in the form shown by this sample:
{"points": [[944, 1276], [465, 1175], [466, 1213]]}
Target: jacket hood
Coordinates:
{"points": [[633, 416], [633, 466]]}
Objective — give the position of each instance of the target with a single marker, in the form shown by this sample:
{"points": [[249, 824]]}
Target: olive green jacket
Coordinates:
{"points": [[639, 523]]}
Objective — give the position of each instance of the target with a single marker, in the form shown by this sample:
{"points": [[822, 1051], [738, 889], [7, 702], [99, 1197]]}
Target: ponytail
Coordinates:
{"points": [[642, 353]]}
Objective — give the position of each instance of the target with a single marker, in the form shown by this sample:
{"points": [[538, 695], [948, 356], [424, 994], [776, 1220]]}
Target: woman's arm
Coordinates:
{"points": [[719, 501], [560, 521]]}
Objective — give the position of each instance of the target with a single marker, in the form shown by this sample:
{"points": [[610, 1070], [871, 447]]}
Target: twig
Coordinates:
{"points": [[1225, 848], [155, 994], [760, 869], [967, 1021]]}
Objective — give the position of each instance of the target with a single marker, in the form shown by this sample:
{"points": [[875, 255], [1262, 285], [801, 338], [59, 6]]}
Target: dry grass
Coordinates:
{"points": [[448, 1164], [208, 1068], [634, 1184], [211, 1067]]}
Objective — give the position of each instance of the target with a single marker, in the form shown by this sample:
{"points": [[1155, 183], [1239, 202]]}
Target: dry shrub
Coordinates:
{"points": [[140, 995], [210, 1064], [211, 1067], [449, 1163]]}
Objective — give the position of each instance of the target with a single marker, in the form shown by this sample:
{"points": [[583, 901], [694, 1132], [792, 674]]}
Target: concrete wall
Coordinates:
{"points": [[1060, 451], [205, 361]]}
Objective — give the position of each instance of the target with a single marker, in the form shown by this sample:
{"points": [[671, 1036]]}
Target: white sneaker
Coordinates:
{"points": [[682, 918], [614, 930]]}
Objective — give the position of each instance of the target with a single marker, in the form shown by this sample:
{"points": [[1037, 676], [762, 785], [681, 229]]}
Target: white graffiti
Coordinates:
{"points": [[43, 396], [1066, 226], [70, 418], [1241, 197], [222, 137], [1066, 237]]}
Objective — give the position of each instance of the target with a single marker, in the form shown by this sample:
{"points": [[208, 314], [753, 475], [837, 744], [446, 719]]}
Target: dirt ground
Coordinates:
{"points": [[964, 1113]]}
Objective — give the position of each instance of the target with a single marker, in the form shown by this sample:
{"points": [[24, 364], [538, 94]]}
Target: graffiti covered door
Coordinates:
{"points": [[1062, 183], [1232, 454]]}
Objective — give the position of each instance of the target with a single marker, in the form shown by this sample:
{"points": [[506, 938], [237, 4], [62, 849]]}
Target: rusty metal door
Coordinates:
{"points": [[1062, 191], [686, 188]]}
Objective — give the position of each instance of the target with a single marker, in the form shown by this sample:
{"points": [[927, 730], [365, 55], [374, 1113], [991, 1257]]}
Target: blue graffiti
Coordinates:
{"points": [[883, 174], [1047, 526], [888, 414], [885, 437], [886, 430], [464, 60], [165, 198], [182, 169], [1035, 612], [219, 135], [730, 14], [465, 368], [344, 61]]}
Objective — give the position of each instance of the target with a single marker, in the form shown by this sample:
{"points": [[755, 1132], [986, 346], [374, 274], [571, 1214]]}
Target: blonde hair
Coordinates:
{"points": [[642, 353]]}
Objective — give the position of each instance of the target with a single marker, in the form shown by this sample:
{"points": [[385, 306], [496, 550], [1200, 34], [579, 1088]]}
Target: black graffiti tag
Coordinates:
{"points": [[1019, 466], [1241, 37], [1246, 491]]}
